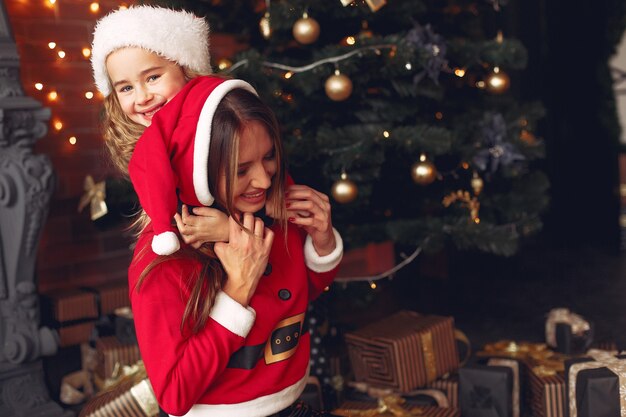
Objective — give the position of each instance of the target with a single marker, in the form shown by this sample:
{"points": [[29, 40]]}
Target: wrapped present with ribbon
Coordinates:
{"points": [[491, 388], [72, 313], [404, 351], [596, 385], [391, 406], [449, 385], [363, 392], [129, 394], [567, 332], [544, 382], [113, 353]]}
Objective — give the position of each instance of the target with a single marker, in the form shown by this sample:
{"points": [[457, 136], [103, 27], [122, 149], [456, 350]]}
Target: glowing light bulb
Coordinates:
{"points": [[58, 125], [86, 52], [52, 45], [89, 95], [53, 95], [459, 72], [72, 140], [373, 285], [61, 54], [408, 66], [39, 86], [94, 7], [350, 40], [52, 2], [288, 75], [386, 134]]}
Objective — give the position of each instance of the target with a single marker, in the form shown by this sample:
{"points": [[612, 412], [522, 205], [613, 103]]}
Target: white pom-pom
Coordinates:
{"points": [[165, 244]]}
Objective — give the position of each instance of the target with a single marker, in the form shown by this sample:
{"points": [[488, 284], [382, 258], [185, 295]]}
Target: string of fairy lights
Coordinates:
{"points": [[338, 87], [64, 52]]}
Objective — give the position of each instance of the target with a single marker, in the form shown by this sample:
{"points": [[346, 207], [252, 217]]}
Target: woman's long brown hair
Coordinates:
{"points": [[236, 110]]}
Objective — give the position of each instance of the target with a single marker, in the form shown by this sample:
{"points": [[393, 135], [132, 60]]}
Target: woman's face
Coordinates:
{"points": [[143, 82], [257, 166]]}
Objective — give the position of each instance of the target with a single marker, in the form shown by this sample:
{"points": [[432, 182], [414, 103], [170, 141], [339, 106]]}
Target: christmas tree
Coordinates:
{"points": [[403, 111]]}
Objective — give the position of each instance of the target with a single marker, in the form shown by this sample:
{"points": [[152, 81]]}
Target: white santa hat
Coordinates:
{"points": [[178, 36]]}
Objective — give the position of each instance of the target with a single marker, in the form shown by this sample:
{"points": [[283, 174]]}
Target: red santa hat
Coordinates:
{"points": [[170, 160]]}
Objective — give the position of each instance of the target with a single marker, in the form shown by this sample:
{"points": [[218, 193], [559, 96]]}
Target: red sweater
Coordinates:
{"points": [[248, 362]]}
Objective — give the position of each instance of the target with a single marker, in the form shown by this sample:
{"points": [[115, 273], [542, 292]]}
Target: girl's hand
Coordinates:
{"points": [[310, 210], [245, 257], [208, 225]]}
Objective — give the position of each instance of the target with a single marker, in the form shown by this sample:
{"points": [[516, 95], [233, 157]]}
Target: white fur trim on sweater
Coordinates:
{"points": [[179, 36], [165, 243], [202, 141], [324, 263], [232, 315], [258, 407]]}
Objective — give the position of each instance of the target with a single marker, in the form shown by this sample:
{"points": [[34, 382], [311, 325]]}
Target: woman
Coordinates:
{"points": [[221, 329]]}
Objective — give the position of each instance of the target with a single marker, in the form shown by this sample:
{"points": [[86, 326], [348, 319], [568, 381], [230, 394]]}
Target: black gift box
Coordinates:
{"points": [[597, 390], [486, 391], [125, 325], [569, 343]]}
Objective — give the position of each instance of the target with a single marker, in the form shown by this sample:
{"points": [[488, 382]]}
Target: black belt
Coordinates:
{"points": [[283, 339]]}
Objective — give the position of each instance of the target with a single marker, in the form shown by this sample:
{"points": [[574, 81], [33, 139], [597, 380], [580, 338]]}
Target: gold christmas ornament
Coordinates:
{"points": [[338, 86], [264, 26], [423, 171], [477, 184], [470, 203], [306, 30], [224, 63], [497, 82], [345, 190]]}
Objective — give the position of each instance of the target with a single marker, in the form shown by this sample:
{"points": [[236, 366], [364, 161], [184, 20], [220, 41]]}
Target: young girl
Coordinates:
{"points": [[221, 329], [141, 58]]}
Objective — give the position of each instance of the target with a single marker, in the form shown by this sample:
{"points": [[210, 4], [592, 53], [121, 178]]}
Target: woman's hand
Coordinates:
{"points": [[207, 225], [245, 257], [310, 210]]}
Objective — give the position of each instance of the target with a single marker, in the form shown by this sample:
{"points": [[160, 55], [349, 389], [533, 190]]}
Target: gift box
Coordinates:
{"points": [[449, 385], [404, 351], [72, 313], [113, 353], [125, 325], [390, 407], [130, 396], [546, 392], [111, 296], [593, 385], [490, 388], [362, 392], [567, 332]]}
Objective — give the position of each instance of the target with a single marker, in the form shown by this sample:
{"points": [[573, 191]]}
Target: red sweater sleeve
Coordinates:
{"points": [[181, 366]]}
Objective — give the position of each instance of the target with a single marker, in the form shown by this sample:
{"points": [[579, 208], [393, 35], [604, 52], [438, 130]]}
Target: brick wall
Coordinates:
{"points": [[73, 251]]}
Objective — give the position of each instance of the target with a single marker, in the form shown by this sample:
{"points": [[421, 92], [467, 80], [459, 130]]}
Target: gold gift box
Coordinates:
{"points": [[111, 353], [391, 407], [130, 396], [404, 351]]}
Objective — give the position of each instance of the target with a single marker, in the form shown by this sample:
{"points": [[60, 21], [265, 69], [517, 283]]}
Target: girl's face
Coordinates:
{"points": [[143, 82], [256, 167]]}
